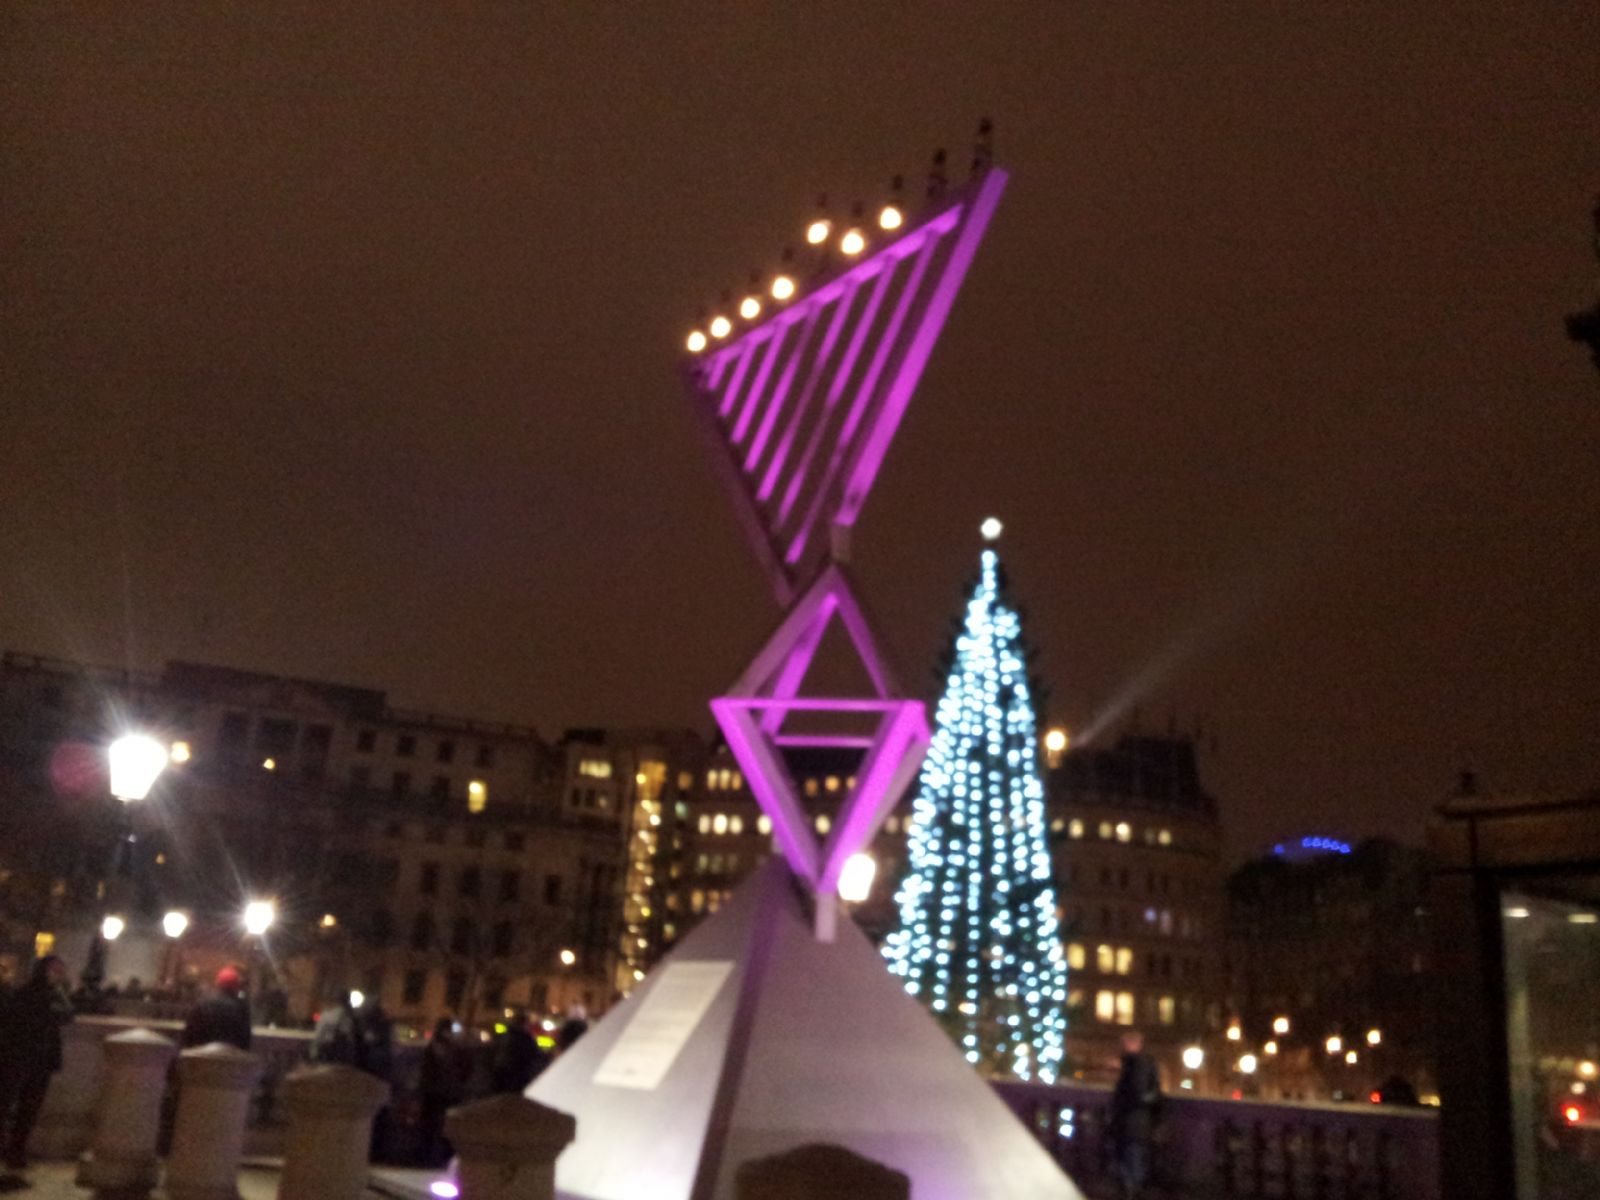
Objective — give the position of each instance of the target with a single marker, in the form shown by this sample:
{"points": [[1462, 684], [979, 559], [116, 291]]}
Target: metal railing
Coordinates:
{"points": [[1243, 1149]]}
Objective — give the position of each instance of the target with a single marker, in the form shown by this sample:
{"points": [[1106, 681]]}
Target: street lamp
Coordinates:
{"points": [[1247, 1064], [1193, 1058], [259, 916], [1374, 1037], [855, 879], [137, 759], [1335, 1044], [568, 958], [174, 924], [1280, 1026]]}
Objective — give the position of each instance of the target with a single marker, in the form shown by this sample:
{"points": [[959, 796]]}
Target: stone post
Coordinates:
{"points": [[819, 1171], [121, 1161], [506, 1147], [330, 1130], [214, 1085]]}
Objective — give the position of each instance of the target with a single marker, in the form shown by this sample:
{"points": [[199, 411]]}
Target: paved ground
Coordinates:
{"points": [[53, 1181]]}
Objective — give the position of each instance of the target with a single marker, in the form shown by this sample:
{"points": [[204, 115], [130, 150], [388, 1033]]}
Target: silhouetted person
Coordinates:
{"points": [[30, 1051], [517, 1057], [338, 1038], [573, 1028], [223, 1016], [1134, 1102], [443, 1085]]}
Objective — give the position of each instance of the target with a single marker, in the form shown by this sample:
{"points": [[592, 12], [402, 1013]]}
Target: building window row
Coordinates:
{"points": [[405, 746], [707, 901], [1120, 1008], [1112, 831], [724, 779]]}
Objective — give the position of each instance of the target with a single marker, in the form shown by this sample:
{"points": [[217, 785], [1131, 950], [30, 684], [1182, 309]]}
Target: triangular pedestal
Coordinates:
{"points": [[801, 1041]]}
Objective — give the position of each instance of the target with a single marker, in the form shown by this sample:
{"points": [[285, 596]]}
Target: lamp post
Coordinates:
{"points": [[136, 761], [258, 917]]}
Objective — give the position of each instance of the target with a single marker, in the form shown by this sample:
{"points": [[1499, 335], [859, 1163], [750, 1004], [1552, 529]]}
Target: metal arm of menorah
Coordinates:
{"points": [[799, 392]]}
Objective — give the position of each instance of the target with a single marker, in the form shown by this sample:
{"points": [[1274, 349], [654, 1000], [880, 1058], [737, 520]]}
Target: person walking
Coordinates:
{"points": [[30, 1052], [442, 1087], [1135, 1102], [223, 1016]]}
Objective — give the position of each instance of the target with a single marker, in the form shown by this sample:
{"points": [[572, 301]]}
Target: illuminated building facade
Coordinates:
{"points": [[442, 864], [1337, 939], [1136, 843]]}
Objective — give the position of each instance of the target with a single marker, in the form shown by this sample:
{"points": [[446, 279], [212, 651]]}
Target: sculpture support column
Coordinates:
{"points": [[121, 1161], [330, 1130], [214, 1086], [506, 1147]]}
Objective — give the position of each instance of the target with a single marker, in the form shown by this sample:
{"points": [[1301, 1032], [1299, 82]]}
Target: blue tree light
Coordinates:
{"points": [[978, 940]]}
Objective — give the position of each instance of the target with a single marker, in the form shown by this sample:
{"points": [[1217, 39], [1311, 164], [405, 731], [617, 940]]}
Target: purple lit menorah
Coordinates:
{"points": [[799, 407]]}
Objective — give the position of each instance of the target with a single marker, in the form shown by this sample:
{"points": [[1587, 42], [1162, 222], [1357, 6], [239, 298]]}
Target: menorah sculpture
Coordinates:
{"points": [[799, 408], [774, 1024]]}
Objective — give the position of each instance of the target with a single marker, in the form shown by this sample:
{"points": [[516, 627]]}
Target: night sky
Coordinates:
{"points": [[341, 341]]}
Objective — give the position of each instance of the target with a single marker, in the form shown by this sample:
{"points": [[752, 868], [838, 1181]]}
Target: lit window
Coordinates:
{"points": [[823, 823], [851, 782], [1167, 1008], [1076, 956], [1105, 829], [719, 823], [892, 825], [1124, 831], [1057, 825], [713, 901], [697, 900], [764, 823], [831, 783], [595, 768], [811, 787], [43, 943], [736, 824], [724, 778], [738, 780], [1165, 837], [1105, 1006], [711, 779], [1124, 1008], [477, 796], [685, 781], [1105, 959], [1124, 960], [1075, 828]]}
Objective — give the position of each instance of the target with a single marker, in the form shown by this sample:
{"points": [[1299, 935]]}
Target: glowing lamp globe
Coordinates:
{"points": [[855, 878], [174, 924], [817, 232], [259, 916], [749, 308], [1055, 741], [852, 243], [721, 327], [991, 529], [890, 217], [357, 998], [136, 760], [568, 958], [695, 342], [1374, 1037], [111, 928], [1334, 1044], [782, 287], [1193, 1058], [1248, 1064], [1280, 1025]]}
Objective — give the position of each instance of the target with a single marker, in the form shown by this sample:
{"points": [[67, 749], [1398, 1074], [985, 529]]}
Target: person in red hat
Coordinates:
{"points": [[223, 1016]]}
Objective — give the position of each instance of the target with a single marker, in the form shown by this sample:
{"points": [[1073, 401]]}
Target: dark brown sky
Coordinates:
{"points": [[341, 343]]}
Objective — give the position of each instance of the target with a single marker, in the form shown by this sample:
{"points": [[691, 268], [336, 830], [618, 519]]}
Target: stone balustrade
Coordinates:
{"points": [[1245, 1149]]}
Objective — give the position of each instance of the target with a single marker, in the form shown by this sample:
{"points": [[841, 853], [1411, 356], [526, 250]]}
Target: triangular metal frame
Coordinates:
{"points": [[857, 379]]}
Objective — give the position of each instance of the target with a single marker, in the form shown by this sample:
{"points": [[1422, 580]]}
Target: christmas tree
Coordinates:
{"points": [[978, 941]]}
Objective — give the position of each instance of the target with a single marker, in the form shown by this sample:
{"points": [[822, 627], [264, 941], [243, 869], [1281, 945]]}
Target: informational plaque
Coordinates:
{"points": [[678, 998]]}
